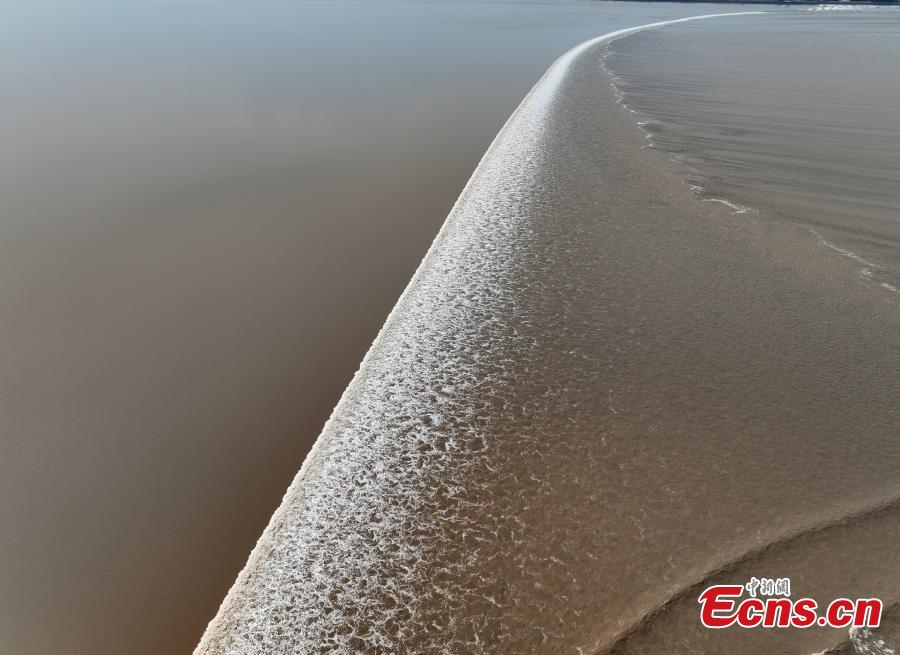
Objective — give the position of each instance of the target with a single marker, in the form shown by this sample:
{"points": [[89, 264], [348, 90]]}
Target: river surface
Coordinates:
{"points": [[618, 376], [207, 211], [795, 116]]}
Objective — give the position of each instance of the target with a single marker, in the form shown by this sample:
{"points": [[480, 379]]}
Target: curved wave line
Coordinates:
{"points": [[533, 108], [642, 624], [841, 647]]}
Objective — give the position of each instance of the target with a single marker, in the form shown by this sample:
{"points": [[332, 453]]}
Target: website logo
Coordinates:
{"points": [[767, 604]]}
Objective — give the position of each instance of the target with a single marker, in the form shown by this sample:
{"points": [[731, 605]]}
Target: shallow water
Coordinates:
{"points": [[794, 115]]}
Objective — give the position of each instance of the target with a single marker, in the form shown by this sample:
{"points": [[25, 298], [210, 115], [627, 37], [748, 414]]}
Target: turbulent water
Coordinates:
{"points": [[601, 392], [207, 209]]}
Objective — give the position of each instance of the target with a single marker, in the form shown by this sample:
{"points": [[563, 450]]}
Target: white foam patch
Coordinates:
{"points": [[847, 7], [867, 642]]}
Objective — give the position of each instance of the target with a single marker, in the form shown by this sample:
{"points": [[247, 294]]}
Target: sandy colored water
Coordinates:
{"points": [[795, 118], [207, 211], [598, 394]]}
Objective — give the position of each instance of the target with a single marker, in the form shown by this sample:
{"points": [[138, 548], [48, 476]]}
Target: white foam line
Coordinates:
{"points": [[557, 72], [840, 8], [696, 188], [532, 111], [865, 272], [846, 253], [542, 92], [620, 96], [738, 209]]}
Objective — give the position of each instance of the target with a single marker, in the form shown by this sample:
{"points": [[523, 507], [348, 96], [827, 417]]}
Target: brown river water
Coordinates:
{"points": [[599, 393]]}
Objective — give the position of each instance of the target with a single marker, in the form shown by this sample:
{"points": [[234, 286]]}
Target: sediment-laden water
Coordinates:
{"points": [[207, 209], [601, 393], [792, 115]]}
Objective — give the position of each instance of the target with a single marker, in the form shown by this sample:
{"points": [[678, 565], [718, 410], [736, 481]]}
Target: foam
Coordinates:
{"points": [[869, 268], [336, 570], [736, 209]]}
